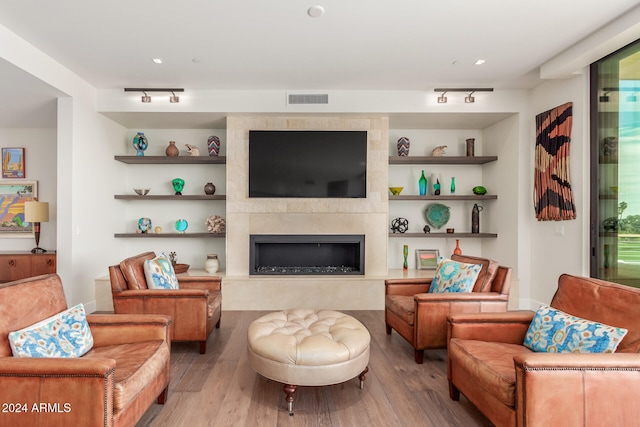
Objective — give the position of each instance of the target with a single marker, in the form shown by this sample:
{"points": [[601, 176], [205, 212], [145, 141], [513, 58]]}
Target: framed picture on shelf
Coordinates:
{"points": [[13, 195], [13, 163], [427, 259]]}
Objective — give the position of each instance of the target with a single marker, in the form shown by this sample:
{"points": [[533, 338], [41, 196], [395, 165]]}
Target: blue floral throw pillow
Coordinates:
{"points": [[66, 334], [554, 331], [160, 274], [453, 276]]}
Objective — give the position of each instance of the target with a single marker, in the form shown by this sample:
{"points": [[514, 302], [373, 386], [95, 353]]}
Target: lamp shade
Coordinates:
{"points": [[36, 211]]}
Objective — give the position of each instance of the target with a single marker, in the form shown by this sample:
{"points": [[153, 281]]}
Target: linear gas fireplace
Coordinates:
{"points": [[310, 254]]}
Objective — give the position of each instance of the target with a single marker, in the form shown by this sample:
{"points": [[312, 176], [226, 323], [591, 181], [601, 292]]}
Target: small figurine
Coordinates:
{"points": [[178, 186], [426, 229], [438, 151], [193, 150], [140, 143]]}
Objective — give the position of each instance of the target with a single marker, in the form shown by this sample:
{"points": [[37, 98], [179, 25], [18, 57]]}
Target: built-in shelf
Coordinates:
{"points": [[441, 160], [444, 197], [170, 197], [166, 160], [170, 235], [444, 235]]}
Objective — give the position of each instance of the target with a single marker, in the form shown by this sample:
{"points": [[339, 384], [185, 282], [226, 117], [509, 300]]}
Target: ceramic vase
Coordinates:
{"points": [[213, 144], [172, 150], [403, 146], [457, 250], [475, 219], [212, 264], [435, 184], [405, 253], [140, 143], [209, 189], [470, 147], [178, 185], [181, 225], [144, 225]]}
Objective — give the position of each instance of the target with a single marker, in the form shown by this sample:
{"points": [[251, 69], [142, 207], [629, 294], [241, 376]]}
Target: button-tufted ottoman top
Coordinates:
{"points": [[308, 347]]}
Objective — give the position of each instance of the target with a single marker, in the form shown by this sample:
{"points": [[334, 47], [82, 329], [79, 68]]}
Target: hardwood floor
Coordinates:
{"points": [[219, 388]]}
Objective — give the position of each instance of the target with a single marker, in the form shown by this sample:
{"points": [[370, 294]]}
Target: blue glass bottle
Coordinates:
{"points": [[422, 184]]}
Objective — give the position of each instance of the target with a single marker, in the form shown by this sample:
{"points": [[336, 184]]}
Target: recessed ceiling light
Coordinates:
{"points": [[479, 62], [315, 11], [157, 60]]}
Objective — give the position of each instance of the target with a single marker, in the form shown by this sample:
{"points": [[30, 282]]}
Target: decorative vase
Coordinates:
{"points": [[403, 146], [422, 184], [475, 219], [436, 181], [172, 150], [213, 144], [144, 225], [405, 253], [209, 189], [212, 264], [457, 250], [178, 186], [453, 185], [140, 143], [470, 147], [182, 225]]}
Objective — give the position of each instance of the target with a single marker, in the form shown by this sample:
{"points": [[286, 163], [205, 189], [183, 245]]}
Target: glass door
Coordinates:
{"points": [[615, 167]]}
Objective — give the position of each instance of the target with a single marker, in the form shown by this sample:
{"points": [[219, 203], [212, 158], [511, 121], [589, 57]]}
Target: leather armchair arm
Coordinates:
{"points": [[459, 296], [406, 287], [577, 389], [164, 293], [54, 391], [110, 329], [507, 327]]}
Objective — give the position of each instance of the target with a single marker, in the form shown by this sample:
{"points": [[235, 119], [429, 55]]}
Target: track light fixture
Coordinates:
{"points": [[146, 98], [469, 99], [604, 97]]}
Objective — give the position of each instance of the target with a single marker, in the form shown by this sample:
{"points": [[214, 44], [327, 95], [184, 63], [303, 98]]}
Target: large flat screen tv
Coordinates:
{"points": [[323, 164]]}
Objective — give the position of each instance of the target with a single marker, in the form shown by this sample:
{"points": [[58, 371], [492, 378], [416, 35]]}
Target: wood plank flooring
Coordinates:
{"points": [[219, 388]]}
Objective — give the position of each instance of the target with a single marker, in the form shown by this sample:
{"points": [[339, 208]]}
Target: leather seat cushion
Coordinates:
{"points": [[137, 364], [490, 365], [402, 306]]}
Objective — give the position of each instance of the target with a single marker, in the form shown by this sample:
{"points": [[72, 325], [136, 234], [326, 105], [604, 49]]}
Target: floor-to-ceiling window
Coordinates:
{"points": [[615, 166]]}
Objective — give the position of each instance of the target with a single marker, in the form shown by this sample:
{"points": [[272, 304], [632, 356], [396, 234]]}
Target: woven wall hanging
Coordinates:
{"points": [[552, 196]]}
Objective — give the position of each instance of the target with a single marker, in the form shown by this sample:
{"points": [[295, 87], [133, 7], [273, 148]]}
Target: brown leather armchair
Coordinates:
{"points": [[195, 308], [111, 385], [421, 317], [513, 386]]}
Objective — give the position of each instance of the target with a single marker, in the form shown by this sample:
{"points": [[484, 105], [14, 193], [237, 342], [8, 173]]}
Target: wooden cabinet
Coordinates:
{"points": [[19, 265]]}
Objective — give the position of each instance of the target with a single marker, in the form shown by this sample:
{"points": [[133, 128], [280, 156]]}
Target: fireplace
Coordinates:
{"points": [[310, 254]]}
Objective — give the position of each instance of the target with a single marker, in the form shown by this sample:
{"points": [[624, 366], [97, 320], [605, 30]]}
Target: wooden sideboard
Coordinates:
{"points": [[18, 265]]}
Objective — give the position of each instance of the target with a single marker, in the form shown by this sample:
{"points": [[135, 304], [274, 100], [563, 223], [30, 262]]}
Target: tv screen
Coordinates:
{"points": [[308, 164]]}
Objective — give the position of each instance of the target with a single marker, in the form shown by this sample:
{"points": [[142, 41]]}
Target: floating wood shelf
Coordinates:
{"points": [[166, 160], [170, 235], [170, 197], [444, 235], [444, 197], [441, 160]]}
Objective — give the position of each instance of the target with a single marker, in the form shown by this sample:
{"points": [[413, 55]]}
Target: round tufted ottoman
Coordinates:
{"points": [[308, 348]]}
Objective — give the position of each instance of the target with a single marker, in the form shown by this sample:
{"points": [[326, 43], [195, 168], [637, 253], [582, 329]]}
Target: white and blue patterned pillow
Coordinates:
{"points": [[66, 334], [160, 274], [454, 276], [554, 331]]}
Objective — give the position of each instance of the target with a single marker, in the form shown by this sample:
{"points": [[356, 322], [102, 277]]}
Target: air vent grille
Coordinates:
{"points": [[308, 98]]}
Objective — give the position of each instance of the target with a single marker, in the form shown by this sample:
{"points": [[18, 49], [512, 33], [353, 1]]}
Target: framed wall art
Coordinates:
{"points": [[13, 165], [427, 259], [13, 195]]}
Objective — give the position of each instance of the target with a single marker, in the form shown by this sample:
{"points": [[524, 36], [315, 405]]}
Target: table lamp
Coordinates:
{"points": [[36, 212]]}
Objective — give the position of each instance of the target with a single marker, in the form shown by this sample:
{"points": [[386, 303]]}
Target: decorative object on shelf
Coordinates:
{"points": [[403, 146], [182, 225], [479, 190], [439, 151], [471, 142], [399, 225], [553, 197], [178, 186], [610, 224], [212, 264], [396, 190], [422, 185], [173, 257], [453, 185], [158, 229], [181, 268], [426, 229], [144, 225], [142, 191], [209, 189], [13, 163], [437, 215], [457, 250], [609, 148], [36, 212], [427, 259], [405, 253], [140, 143], [436, 179], [451, 230], [475, 218], [193, 150], [172, 150], [215, 224], [213, 145]]}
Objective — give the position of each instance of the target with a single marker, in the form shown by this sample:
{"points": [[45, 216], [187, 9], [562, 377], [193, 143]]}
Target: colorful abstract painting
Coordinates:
{"points": [[13, 195], [13, 163]]}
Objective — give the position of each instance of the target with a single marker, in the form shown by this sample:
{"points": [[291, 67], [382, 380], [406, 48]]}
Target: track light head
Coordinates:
{"points": [[174, 98], [442, 99], [145, 98], [469, 99]]}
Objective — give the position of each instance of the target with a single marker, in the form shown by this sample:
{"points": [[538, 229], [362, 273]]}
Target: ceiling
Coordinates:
{"points": [[276, 45]]}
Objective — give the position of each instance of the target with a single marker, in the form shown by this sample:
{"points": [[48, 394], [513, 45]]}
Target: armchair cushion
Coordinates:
{"points": [[554, 331], [454, 276], [160, 273], [66, 334]]}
